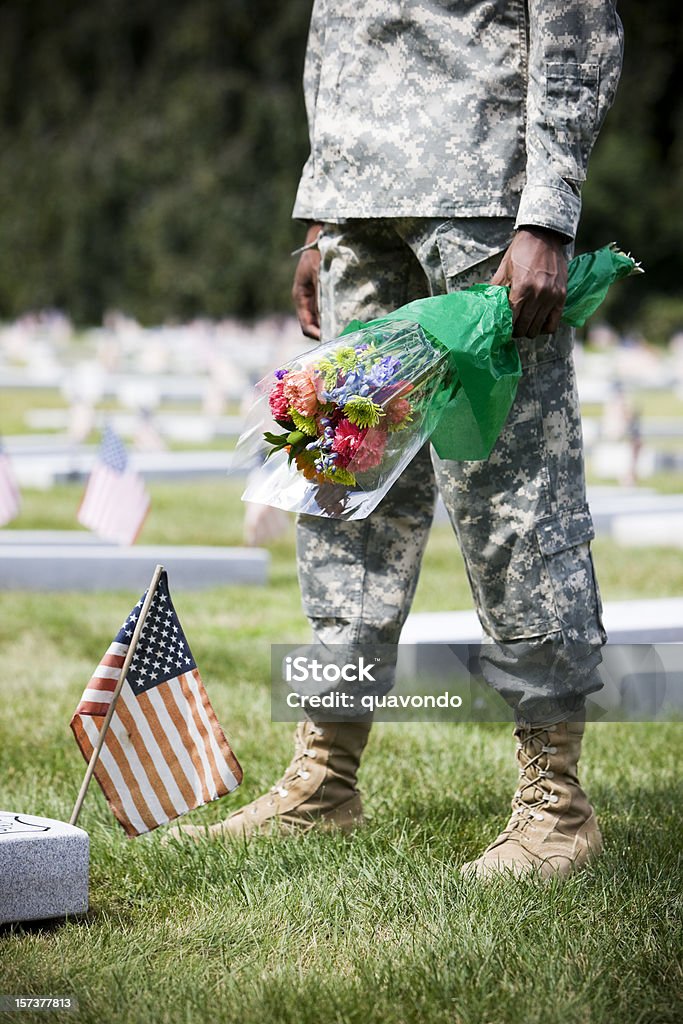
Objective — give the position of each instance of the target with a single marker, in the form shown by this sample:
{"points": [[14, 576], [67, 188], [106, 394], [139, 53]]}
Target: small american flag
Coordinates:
{"points": [[116, 502], [10, 501], [164, 752]]}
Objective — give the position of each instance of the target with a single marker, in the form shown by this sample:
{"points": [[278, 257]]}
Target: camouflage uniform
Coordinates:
{"points": [[433, 126]]}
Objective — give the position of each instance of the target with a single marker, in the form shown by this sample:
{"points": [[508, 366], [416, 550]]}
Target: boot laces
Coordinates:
{"points": [[296, 768], [535, 794]]}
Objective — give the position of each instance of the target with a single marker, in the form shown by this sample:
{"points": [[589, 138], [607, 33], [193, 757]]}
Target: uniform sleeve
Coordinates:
{"points": [[575, 53], [314, 49]]}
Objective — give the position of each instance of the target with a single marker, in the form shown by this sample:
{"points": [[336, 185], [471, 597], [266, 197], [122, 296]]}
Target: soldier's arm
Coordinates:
{"points": [[305, 288], [575, 52]]}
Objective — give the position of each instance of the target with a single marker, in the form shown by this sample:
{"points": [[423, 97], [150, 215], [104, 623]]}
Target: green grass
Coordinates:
{"points": [[323, 929], [654, 404], [15, 403]]}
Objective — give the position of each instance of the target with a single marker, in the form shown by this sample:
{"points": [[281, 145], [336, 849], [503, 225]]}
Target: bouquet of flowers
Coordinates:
{"points": [[348, 417], [333, 429]]}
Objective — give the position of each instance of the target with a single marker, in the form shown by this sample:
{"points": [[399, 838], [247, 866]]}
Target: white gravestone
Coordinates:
{"points": [[43, 868]]}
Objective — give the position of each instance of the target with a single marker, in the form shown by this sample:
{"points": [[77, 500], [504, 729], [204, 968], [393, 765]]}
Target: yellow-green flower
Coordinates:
{"points": [[347, 358], [363, 411], [330, 372], [306, 424], [342, 476]]}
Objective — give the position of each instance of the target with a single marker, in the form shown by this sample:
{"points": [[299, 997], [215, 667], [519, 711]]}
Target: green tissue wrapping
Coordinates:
{"points": [[475, 326]]}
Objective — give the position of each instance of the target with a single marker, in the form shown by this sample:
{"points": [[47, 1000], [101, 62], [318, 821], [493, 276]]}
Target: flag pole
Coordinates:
{"points": [[115, 696]]}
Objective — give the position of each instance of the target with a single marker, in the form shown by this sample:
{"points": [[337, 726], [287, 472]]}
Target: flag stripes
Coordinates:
{"points": [[112, 786], [164, 752], [99, 691], [115, 505], [179, 763]]}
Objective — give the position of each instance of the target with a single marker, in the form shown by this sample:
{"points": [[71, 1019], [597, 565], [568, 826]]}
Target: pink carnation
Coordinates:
{"points": [[347, 440], [371, 450], [397, 410], [299, 390], [278, 402]]}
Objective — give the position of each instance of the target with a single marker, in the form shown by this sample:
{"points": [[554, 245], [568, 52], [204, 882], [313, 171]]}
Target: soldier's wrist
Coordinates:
{"points": [[547, 234]]}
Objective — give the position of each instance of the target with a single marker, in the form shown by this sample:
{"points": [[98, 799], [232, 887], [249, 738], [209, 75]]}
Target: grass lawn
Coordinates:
{"points": [[323, 929]]}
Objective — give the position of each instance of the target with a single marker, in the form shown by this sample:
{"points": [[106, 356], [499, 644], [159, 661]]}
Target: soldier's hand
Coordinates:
{"points": [[535, 268], [305, 287]]}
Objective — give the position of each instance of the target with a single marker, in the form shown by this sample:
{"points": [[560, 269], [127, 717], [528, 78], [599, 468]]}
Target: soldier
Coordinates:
{"points": [[444, 134]]}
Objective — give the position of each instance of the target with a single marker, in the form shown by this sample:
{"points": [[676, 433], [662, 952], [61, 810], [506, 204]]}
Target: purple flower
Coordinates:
{"points": [[382, 372], [281, 373]]}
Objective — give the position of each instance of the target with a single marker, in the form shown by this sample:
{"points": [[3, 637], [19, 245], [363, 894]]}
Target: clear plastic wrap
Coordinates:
{"points": [[334, 428], [331, 431]]}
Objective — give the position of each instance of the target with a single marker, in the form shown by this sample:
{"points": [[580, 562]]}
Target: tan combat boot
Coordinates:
{"points": [[553, 830], [318, 787]]}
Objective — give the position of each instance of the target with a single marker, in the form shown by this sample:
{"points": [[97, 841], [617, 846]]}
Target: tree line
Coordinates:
{"points": [[150, 152]]}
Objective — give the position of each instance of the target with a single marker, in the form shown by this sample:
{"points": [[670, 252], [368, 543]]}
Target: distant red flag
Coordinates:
{"points": [[164, 752], [116, 502]]}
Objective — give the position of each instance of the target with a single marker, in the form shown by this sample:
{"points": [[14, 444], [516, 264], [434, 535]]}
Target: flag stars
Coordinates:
{"points": [[162, 652]]}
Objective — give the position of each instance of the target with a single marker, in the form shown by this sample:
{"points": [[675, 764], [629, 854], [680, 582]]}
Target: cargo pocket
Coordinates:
{"points": [[564, 542], [470, 250]]}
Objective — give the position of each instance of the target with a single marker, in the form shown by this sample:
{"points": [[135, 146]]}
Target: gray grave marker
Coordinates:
{"points": [[43, 868]]}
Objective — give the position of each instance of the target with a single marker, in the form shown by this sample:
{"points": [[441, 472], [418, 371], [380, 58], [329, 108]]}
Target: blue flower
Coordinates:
{"points": [[383, 371]]}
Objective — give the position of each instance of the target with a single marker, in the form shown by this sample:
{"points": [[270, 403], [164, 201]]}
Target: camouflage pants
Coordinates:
{"points": [[520, 517]]}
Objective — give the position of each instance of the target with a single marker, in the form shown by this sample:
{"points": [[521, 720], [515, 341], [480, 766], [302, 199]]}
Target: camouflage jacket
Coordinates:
{"points": [[456, 108]]}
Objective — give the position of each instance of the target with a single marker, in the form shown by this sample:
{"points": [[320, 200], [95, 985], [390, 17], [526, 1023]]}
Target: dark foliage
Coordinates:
{"points": [[150, 150]]}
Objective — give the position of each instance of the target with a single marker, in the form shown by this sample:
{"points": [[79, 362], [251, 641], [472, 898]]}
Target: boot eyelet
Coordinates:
{"points": [[553, 798], [283, 792]]}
